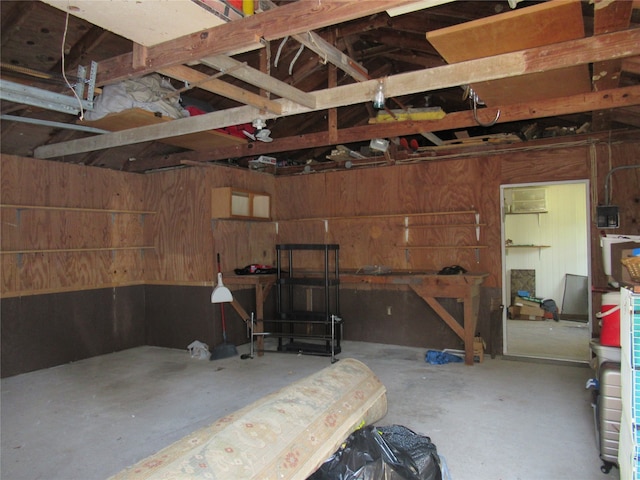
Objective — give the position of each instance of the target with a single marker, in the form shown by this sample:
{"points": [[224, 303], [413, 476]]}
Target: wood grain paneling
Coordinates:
{"points": [[187, 238], [68, 227]]}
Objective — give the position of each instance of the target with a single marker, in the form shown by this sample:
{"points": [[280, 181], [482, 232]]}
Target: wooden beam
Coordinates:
{"points": [[627, 116], [257, 78], [608, 17], [14, 16], [631, 65], [182, 73], [291, 19], [584, 102], [326, 51], [332, 117], [82, 50], [587, 50], [139, 55]]}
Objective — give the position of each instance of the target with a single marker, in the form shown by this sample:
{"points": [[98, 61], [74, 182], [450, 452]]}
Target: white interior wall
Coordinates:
{"points": [[563, 229]]}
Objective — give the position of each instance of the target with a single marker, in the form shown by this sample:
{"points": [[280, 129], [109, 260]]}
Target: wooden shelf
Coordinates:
{"points": [[137, 117], [432, 247], [451, 225], [533, 212], [527, 246], [59, 250], [77, 209], [383, 215]]}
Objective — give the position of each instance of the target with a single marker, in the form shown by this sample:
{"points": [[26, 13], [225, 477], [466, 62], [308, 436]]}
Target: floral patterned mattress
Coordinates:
{"points": [[285, 435]]}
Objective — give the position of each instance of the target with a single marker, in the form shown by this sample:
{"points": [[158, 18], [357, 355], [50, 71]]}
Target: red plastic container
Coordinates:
{"points": [[610, 317]]}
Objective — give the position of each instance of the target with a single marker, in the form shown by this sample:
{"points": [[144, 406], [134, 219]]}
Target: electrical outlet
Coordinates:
{"points": [[389, 310]]}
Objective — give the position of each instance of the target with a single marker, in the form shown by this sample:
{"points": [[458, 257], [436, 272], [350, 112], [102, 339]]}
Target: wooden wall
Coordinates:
{"points": [[72, 262], [367, 210], [69, 227], [101, 228], [185, 236], [101, 231], [368, 198]]}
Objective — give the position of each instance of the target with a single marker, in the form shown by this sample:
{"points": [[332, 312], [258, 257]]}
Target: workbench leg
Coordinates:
{"points": [[471, 308], [259, 326]]}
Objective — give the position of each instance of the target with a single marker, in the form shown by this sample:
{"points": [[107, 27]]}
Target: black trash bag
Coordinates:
{"points": [[382, 453]]}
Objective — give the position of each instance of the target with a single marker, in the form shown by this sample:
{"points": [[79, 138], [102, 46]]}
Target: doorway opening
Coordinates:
{"points": [[546, 257]]}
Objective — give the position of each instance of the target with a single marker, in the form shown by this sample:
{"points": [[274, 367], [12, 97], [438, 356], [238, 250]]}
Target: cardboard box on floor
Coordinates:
{"points": [[529, 307], [478, 349], [515, 313]]}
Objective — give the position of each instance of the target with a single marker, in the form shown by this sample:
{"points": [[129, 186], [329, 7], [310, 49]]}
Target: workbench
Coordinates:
{"points": [[430, 287]]}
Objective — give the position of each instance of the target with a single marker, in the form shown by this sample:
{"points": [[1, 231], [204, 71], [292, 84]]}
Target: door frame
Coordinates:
{"points": [[503, 250]]}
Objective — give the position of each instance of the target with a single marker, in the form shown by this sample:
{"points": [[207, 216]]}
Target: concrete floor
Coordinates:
{"points": [[562, 340], [500, 419]]}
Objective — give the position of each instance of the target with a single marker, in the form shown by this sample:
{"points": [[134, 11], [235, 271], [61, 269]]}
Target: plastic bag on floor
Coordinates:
{"points": [[198, 350], [382, 453], [436, 357]]}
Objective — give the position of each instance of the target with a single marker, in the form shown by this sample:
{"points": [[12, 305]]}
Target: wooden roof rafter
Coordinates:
{"points": [[457, 120], [539, 59], [291, 19], [326, 51]]}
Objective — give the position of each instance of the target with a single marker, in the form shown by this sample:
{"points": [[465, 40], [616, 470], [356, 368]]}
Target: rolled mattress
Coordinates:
{"points": [[284, 435]]}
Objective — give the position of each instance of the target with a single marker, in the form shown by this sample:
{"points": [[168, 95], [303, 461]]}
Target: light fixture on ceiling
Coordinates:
{"points": [[259, 124], [378, 96]]}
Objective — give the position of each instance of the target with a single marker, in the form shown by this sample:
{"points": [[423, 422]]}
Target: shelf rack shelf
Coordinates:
{"points": [[302, 324]]}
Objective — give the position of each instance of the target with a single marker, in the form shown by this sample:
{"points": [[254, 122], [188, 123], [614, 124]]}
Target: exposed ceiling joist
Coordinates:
{"points": [[291, 19], [257, 78], [582, 51], [458, 120], [203, 81], [608, 17], [326, 51]]}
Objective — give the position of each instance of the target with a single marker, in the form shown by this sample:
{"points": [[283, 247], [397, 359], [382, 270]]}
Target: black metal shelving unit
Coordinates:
{"points": [[307, 302]]}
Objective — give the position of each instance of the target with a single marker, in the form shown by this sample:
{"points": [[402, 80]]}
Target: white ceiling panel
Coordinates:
{"points": [[147, 22]]}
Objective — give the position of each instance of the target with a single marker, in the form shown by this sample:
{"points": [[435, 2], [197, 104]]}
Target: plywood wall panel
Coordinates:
{"points": [[488, 204], [309, 231], [10, 238], [187, 238], [127, 267], [8, 273], [67, 219], [185, 243], [543, 165], [376, 190], [310, 202], [365, 237], [367, 242], [342, 195], [33, 272], [243, 243]]}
